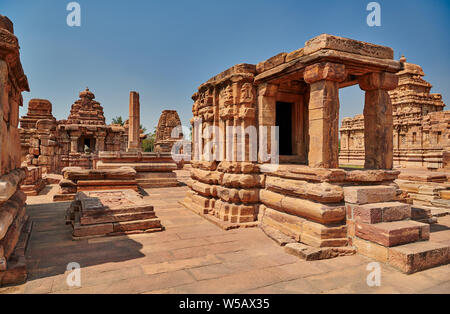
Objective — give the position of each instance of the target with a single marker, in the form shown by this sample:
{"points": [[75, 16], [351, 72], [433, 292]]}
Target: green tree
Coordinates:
{"points": [[148, 145], [118, 120]]}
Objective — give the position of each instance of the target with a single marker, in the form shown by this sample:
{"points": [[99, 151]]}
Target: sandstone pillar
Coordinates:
{"points": [[266, 113], [134, 124], [74, 144], [324, 81], [378, 122]]}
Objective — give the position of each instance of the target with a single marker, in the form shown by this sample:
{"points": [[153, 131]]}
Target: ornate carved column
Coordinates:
{"points": [[324, 81], [378, 124]]}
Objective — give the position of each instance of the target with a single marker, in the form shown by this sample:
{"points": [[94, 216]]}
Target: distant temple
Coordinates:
{"points": [[167, 122], [421, 127], [76, 141]]}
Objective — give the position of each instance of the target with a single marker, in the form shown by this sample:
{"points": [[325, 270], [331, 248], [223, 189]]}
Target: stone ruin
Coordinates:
{"points": [[306, 202], [119, 208], [15, 226], [76, 179], [169, 122], [421, 135], [152, 169], [111, 213], [75, 142]]}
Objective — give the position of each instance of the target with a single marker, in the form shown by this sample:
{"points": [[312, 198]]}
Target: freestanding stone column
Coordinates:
{"points": [[324, 81], [378, 123], [134, 124]]}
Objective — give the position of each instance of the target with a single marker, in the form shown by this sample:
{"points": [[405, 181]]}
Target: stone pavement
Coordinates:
{"points": [[195, 256]]}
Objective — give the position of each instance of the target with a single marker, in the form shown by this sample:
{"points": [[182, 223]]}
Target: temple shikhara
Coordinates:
{"points": [[267, 155], [75, 142]]}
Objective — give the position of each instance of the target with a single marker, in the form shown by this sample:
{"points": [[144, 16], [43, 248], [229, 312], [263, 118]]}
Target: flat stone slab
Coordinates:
{"points": [[382, 212], [393, 233], [326, 41], [369, 194], [414, 257], [310, 253]]}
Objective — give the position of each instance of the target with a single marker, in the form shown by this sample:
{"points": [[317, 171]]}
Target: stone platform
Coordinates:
{"points": [[426, 191], [194, 256], [109, 213], [76, 179], [152, 169]]}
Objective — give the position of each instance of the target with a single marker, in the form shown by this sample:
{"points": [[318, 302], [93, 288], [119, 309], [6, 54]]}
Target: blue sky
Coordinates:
{"points": [[166, 49]]}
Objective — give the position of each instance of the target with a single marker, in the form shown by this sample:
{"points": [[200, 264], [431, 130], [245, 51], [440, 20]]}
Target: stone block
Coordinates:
{"points": [[381, 212], [326, 41], [414, 257], [391, 233], [369, 194], [371, 249]]}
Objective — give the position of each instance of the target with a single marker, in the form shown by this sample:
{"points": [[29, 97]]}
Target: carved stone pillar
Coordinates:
{"points": [[378, 123], [267, 98], [324, 81]]}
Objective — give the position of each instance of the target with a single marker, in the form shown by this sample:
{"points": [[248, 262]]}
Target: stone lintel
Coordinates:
{"points": [[355, 64], [326, 41]]}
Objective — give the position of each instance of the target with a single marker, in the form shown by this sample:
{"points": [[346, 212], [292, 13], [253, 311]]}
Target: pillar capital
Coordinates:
{"points": [[378, 80], [325, 71], [267, 89]]}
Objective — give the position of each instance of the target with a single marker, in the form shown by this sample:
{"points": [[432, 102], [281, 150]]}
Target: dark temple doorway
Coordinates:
{"points": [[284, 122]]}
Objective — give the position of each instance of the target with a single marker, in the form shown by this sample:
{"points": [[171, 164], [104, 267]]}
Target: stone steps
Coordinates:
{"points": [[418, 256], [122, 217], [116, 228], [369, 194], [381, 212], [393, 233], [157, 183], [380, 228]]}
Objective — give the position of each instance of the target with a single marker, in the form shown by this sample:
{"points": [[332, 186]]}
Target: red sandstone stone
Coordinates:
{"points": [[414, 257], [369, 194], [391, 233], [381, 212]]}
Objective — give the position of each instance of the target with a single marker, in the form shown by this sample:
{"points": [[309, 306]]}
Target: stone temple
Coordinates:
{"points": [[168, 123], [75, 142], [304, 200], [265, 153], [15, 226], [421, 135]]}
